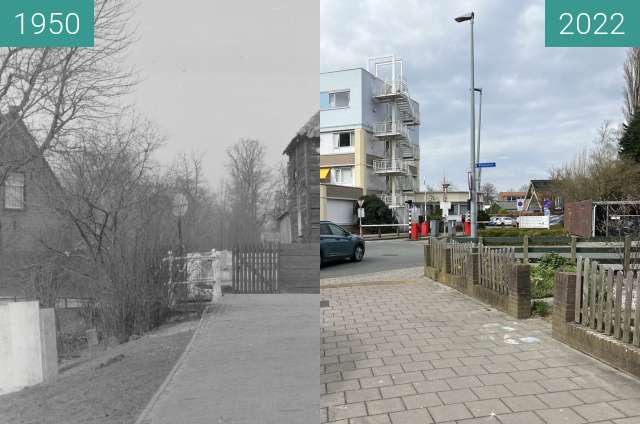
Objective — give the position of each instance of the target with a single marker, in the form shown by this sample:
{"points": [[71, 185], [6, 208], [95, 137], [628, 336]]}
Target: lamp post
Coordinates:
{"points": [[472, 157], [479, 170]]}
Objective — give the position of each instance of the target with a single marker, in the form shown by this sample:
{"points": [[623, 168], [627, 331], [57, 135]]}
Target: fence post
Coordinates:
{"points": [[447, 260], [525, 249], [473, 274], [574, 243], [627, 254], [519, 296], [426, 256], [564, 303]]}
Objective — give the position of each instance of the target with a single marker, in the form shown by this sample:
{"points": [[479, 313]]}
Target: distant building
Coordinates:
{"points": [[507, 200], [301, 221], [538, 192], [369, 138], [426, 203], [29, 191]]}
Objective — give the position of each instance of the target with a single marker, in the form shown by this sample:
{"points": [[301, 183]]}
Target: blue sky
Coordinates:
{"points": [[541, 105]]}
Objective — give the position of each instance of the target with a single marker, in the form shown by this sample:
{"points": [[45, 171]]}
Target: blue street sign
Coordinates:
{"points": [[486, 165]]}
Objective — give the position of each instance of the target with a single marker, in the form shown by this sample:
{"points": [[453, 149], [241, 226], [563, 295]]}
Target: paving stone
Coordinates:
{"points": [[384, 406], [342, 386], [561, 415], [598, 412], [520, 418], [439, 374], [630, 407], [332, 399], [463, 382], [491, 392], [422, 400], [431, 386], [407, 377], [499, 378], [560, 399], [397, 390], [558, 384], [362, 395], [378, 381], [449, 413], [593, 395], [375, 419], [525, 388], [524, 403], [349, 410], [414, 416], [457, 396], [482, 408]]}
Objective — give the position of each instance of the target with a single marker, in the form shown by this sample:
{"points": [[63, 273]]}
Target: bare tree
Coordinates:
{"points": [[632, 84], [58, 92], [490, 192], [249, 189]]}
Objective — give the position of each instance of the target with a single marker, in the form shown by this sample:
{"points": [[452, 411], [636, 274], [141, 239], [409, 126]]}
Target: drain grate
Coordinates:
{"points": [[324, 303]]}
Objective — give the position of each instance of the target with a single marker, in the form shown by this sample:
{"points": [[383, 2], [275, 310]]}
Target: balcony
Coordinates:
{"points": [[390, 129], [387, 166]]}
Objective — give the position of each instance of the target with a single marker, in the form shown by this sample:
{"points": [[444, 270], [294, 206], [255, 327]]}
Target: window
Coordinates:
{"points": [[343, 176], [14, 191], [337, 231], [339, 99], [343, 139], [334, 99]]}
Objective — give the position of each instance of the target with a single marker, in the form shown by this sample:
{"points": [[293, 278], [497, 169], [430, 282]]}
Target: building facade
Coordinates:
{"points": [[301, 222], [369, 139]]}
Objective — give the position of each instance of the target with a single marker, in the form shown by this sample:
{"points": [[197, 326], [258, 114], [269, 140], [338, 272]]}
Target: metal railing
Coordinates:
{"points": [[390, 129], [388, 166], [392, 201]]}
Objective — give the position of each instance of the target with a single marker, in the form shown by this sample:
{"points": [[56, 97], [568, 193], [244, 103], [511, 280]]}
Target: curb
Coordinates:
{"points": [[143, 417]]}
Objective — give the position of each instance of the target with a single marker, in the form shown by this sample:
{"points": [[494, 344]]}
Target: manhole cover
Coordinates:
{"points": [[324, 303]]}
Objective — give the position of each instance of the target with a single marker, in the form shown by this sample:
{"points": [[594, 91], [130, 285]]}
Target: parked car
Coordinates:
{"points": [[336, 243], [507, 221]]}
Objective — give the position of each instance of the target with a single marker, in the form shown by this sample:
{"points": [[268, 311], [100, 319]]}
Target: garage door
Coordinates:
{"points": [[340, 211]]}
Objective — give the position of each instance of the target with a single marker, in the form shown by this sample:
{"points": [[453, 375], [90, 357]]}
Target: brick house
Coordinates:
{"points": [[301, 222], [28, 192]]}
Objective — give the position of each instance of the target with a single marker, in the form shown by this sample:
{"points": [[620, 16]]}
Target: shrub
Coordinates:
{"points": [[544, 273], [541, 309]]}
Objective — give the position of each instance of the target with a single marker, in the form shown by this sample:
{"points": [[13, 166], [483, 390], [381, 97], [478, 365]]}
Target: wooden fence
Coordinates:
{"points": [[460, 257], [497, 268], [255, 268], [438, 249], [608, 301]]}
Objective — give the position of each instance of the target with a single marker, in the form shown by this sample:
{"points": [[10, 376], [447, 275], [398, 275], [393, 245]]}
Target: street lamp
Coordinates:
{"points": [[479, 170], [472, 157]]}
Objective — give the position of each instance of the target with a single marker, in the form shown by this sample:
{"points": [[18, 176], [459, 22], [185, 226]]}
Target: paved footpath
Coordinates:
{"points": [[412, 351], [254, 360]]}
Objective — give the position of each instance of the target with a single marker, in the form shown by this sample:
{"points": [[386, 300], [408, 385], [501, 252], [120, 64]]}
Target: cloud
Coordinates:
{"points": [[541, 105]]}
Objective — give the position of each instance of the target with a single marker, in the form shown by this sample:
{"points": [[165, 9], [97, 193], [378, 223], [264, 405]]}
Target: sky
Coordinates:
{"points": [[540, 105], [214, 72]]}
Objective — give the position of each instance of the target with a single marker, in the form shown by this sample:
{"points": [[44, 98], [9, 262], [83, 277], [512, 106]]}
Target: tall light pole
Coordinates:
{"points": [[472, 156], [479, 170]]}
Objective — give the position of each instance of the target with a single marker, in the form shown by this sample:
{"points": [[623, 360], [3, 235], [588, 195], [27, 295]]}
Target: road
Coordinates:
{"points": [[380, 255]]}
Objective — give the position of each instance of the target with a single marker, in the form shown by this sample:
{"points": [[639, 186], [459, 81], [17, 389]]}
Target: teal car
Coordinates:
{"points": [[336, 243]]}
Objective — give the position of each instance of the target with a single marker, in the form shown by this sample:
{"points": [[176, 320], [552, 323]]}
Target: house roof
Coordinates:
{"points": [[308, 131], [512, 193]]}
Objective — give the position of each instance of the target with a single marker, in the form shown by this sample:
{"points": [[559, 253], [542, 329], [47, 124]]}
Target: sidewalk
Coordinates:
{"points": [[248, 363], [414, 351]]}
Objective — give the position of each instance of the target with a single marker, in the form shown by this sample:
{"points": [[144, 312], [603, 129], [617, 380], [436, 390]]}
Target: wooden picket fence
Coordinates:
{"points": [[608, 301], [460, 257], [255, 268], [438, 249], [497, 268]]}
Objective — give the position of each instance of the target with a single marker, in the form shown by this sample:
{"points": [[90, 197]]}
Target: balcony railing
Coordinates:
{"points": [[390, 129], [392, 201], [387, 166], [389, 88]]}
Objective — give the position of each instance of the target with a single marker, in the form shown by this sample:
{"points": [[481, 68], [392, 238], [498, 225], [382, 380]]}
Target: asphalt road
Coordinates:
{"points": [[380, 255]]}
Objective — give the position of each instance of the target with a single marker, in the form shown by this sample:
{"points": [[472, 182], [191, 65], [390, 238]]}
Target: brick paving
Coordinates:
{"points": [[417, 352]]}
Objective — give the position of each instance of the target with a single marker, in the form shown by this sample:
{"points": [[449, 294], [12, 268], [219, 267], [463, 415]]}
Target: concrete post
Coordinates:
{"points": [[525, 249], [519, 292], [574, 248], [564, 303], [427, 259]]}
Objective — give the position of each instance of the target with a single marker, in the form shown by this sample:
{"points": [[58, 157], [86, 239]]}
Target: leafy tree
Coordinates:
{"points": [[376, 211], [630, 140]]}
